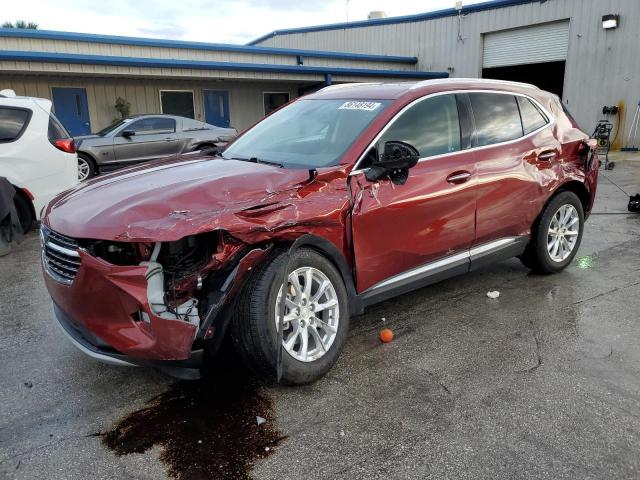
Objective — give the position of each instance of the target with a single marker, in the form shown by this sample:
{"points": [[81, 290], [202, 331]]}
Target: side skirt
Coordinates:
{"points": [[445, 268]]}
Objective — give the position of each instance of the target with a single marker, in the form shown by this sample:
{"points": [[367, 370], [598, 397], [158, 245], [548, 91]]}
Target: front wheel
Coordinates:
{"points": [[558, 235], [315, 323]]}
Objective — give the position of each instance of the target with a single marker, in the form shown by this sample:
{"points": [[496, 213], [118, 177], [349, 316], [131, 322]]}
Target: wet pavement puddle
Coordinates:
{"points": [[206, 429]]}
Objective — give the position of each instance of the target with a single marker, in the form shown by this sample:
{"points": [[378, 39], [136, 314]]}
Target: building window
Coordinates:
{"points": [[177, 102], [274, 100]]}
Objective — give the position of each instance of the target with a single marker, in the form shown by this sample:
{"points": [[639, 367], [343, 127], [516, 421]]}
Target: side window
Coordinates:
{"points": [[532, 117], [153, 125], [431, 126], [496, 117], [13, 121]]}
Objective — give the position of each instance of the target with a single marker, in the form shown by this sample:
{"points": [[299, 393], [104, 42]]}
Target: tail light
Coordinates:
{"points": [[66, 145]]}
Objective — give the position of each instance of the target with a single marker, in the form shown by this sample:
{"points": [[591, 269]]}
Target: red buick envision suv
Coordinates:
{"points": [[341, 199]]}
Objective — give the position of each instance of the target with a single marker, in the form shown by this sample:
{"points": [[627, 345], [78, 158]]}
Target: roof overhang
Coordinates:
{"points": [[83, 59]]}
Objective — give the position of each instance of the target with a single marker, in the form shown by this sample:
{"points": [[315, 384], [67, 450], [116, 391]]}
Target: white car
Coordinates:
{"points": [[37, 154]]}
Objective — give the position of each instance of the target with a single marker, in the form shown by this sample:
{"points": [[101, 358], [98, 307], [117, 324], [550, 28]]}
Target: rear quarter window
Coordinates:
{"points": [[13, 123], [56, 131], [497, 118], [532, 117]]}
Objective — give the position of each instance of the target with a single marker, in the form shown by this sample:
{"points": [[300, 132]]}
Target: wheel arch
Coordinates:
{"points": [[89, 156], [579, 189], [573, 186], [331, 253]]}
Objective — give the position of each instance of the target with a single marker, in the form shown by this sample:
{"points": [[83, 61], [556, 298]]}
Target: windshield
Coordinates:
{"points": [[307, 133], [113, 126]]}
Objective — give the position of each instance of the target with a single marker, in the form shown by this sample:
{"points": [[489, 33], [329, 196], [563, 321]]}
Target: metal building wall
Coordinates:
{"points": [[118, 50], [245, 98], [34, 61], [602, 66]]}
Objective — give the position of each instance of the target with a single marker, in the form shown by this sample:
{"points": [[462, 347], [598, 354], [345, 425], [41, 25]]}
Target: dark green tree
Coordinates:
{"points": [[21, 24]]}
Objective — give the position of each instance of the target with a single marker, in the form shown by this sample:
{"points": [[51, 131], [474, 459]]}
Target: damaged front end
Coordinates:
{"points": [[146, 303], [146, 268]]}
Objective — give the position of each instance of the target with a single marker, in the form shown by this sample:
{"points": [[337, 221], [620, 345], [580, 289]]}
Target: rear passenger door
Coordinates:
{"points": [[515, 154]]}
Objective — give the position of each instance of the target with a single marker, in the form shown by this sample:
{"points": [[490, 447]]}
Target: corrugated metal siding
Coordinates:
{"points": [[536, 44], [601, 65], [245, 98]]}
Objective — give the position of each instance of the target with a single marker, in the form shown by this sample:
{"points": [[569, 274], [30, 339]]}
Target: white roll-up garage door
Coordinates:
{"points": [[536, 44]]}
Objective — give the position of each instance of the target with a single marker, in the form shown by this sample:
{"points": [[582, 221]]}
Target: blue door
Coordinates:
{"points": [[216, 107], [71, 108]]}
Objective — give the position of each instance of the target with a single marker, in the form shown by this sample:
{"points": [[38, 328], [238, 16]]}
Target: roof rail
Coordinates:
{"points": [[346, 85], [489, 81]]}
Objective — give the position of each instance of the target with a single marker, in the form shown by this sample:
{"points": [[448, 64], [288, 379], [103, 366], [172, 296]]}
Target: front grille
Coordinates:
{"points": [[59, 255]]}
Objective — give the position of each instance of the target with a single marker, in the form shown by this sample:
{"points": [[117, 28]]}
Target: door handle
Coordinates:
{"points": [[459, 177], [547, 156]]}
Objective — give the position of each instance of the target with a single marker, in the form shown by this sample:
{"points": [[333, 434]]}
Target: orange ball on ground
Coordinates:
{"points": [[386, 335]]}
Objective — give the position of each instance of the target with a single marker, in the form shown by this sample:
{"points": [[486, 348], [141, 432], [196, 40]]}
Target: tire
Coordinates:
{"points": [[541, 255], [254, 328], [86, 167], [25, 212]]}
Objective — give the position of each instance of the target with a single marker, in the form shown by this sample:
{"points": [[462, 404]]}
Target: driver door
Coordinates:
{"points": [[404, 234], [154, 137]]}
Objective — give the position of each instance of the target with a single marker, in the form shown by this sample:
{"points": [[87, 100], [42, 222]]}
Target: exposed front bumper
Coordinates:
{"points": [[109, 300], [77, 337], [97, 349]]}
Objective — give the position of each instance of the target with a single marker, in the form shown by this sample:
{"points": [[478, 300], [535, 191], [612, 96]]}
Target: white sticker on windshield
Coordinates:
{"points": [[367, 106]]}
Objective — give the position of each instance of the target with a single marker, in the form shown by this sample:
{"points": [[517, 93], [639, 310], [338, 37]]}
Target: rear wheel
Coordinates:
{"points": [[315, 322], [86, 167], [25, 212], [557, 237]]}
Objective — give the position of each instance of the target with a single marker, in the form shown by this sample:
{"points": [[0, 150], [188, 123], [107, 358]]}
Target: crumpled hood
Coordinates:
{"points": [[165, 201]]}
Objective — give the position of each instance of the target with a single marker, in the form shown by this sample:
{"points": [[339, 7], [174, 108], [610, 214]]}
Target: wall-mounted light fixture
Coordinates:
{"points": [[609, 22]]}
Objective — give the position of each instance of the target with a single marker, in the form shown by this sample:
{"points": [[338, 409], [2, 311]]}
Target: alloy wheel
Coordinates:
{"points": [[84, 169], [311, 314], [563, 232]]}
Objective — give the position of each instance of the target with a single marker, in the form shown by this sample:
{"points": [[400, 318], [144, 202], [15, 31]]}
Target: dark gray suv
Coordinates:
{"points": [[140, 138]]}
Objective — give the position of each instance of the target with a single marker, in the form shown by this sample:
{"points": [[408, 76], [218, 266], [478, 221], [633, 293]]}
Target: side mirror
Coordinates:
{"points": [[395, 162], [128, 133]]}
